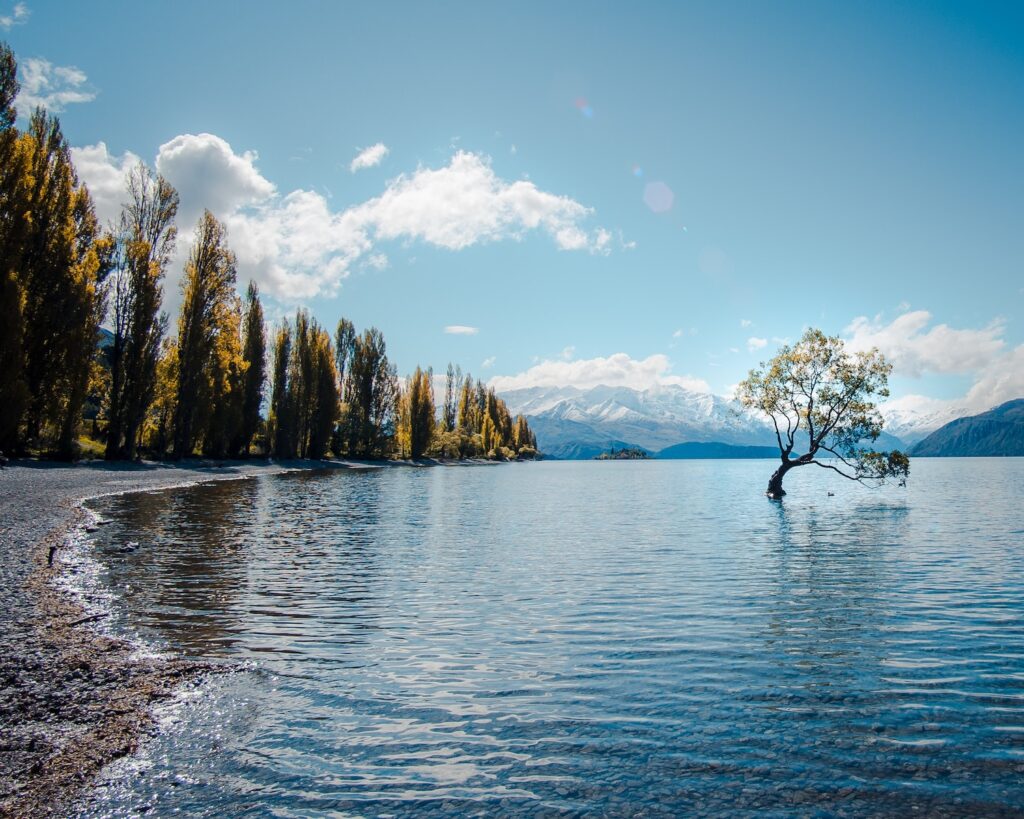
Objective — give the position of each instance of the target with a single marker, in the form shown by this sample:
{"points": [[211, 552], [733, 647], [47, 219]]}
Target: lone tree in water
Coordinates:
{"points": [[820, 396]]}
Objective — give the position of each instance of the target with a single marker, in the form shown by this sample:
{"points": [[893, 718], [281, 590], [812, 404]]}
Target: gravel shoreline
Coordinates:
{"points": [[71, 699]]}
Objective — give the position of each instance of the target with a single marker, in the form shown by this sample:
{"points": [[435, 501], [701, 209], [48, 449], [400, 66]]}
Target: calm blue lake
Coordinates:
{"points": [[560, 639]]}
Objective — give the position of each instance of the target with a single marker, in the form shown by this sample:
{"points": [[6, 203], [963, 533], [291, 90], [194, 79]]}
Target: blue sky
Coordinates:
{"points": [[856, 167]]}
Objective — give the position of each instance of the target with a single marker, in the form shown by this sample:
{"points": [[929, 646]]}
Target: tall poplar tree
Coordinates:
{"points": [[14, 180], [208, 301], [145, 244], [254, 352], [415, 418], [279, 420], [371, 393], [60, 261], [224, 380], [300, 385], [344, 343], [325, 396], [450, 410]]}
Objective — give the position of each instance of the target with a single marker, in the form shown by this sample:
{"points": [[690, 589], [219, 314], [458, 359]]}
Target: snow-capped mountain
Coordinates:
{"points": [[580, 423], [572, 422], [914, 418]]}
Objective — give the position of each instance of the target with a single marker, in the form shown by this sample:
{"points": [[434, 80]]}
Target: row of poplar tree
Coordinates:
{"points": [[345, 398], [62, 276]]}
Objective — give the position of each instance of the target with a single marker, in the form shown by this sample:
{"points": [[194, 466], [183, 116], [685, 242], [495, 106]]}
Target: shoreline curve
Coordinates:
{"points": [[72, 699]]}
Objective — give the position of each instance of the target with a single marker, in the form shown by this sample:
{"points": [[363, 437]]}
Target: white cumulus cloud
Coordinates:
{"points": [[297, 247], [368, 157], [106, 176], [755, 343], [917, 347], [618, 370], [51, 86], [466, 203], [461, 330], [208, 174], [999, 381], [914, 348]]}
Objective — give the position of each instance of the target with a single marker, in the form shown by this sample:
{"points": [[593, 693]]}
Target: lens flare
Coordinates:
{"points": [[584, 108], [658, 197]]}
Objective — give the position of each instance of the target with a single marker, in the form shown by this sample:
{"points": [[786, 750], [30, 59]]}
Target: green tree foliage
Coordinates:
{"points": [[485, 427], [818, 393], [344, 346], [325, 405], [305, 403], [160, 417], [14, 179], [416, 422], [206, 365], [371, 393], [254, 354], [226, 370], [466, 416], [450, 410], [145, 244], [53, 247], [279, 420]]}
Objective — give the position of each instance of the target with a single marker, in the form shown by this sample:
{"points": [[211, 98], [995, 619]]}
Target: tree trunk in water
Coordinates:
{"points": [[775, 490]]}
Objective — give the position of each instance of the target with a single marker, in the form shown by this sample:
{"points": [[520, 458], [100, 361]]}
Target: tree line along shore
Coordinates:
{"points": [[88, 364]]}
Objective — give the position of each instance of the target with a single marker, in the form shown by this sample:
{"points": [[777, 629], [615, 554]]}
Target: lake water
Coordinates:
{"points": [[558, 639]]}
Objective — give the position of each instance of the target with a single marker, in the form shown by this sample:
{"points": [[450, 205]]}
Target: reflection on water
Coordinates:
{"points": [[565, 638]]}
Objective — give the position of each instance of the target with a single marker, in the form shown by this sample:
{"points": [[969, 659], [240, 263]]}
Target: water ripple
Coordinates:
{"points": [[580, 638]]}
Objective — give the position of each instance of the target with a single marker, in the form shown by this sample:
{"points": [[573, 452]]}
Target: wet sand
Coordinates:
{"points": [[71, 699]]}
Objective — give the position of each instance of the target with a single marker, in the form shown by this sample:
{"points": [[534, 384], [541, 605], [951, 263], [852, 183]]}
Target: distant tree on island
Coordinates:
{"points": [[624, 454], [818, 394]]}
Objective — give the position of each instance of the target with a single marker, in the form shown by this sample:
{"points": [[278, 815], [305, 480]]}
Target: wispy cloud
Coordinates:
{"points": [[368, 157], [378, 261], [51, 86], [461, 330], [18, 15], [618, 370], [487, 363], [105, 174], [755, 343], [914, 348], [745, 323]]}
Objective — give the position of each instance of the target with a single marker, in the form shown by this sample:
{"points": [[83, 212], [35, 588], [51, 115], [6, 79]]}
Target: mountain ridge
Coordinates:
{"points": [[575, 422], [996, 432]]}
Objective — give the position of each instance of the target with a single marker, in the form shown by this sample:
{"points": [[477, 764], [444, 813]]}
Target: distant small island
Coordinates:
{"points": [[628, 454]]}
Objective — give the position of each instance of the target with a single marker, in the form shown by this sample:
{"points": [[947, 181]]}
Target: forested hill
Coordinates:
{"points": [[999, 431]]}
